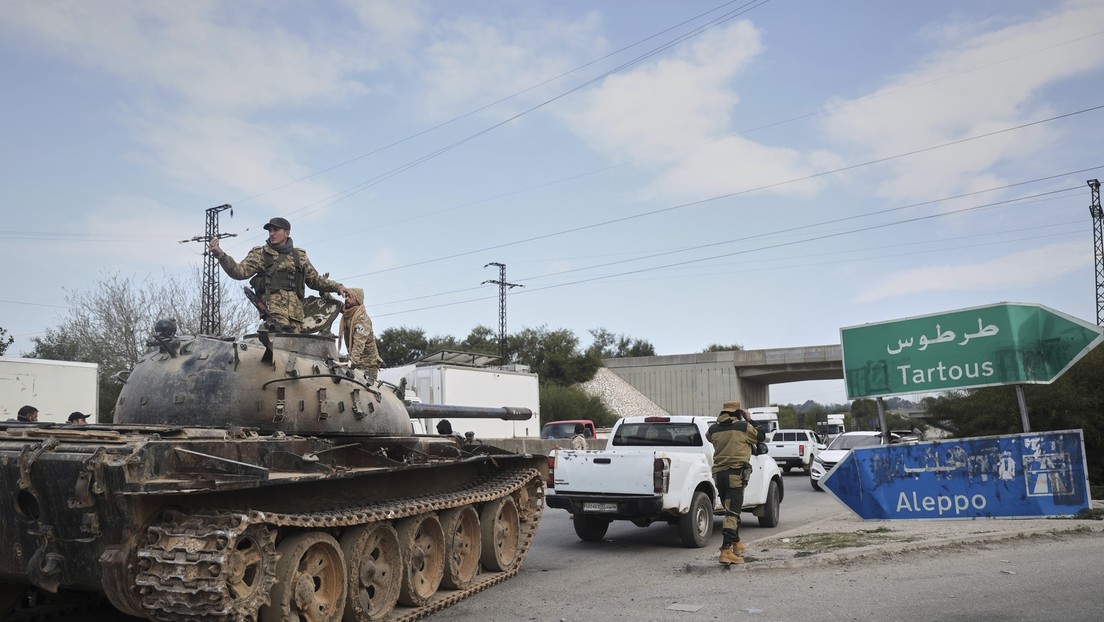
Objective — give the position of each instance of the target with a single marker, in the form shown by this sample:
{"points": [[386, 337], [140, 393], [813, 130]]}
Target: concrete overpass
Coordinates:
{"points": [[697, 384]]}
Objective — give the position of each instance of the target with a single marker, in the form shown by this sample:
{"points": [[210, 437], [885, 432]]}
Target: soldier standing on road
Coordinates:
{"points": [[281, 272], [733, 437], [579, 440]]}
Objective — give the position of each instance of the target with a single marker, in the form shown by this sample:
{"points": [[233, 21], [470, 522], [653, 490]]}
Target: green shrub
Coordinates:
{"points": [[558, 402]]}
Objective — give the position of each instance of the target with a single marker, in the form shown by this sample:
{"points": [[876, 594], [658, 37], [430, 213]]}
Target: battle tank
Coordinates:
{"points": [[255, 478]]}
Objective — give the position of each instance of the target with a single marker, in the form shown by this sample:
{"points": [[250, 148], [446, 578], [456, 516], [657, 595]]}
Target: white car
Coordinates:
{"points": [[828, 456]]}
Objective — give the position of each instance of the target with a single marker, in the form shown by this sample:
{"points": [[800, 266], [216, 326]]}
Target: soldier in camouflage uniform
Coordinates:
{"points": [[278, 273], [356, 333], [733, 437]]}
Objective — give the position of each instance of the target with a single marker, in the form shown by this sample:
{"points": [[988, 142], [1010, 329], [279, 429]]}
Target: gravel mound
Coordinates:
{"points": [[619, 396]]}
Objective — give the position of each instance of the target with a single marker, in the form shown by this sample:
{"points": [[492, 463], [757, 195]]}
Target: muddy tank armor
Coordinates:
{"points": [[255, 479]]}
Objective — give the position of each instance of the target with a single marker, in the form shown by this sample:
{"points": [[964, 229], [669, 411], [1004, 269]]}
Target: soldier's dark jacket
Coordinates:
{"points": [[732, 439]]}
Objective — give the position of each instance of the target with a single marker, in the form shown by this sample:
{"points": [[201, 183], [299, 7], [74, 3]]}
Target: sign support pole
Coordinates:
{"points": [[882, 421], [1023, 407]]}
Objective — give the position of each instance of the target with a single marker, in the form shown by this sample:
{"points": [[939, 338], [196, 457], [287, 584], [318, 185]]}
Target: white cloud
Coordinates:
{"points": [[979, 83], [231, 154], [688, 99], [207, 54], [475, 62], [1015, 271]]}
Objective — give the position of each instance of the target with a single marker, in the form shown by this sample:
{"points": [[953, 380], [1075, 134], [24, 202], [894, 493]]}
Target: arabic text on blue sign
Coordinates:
{"points": [[1015, 476]]}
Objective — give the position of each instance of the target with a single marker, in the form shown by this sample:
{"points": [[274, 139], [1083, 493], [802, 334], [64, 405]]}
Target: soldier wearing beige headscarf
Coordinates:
{"points": [[356, 333]]}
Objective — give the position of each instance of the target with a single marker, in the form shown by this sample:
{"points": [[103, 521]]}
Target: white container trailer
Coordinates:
{"points": [[55, 388], [479, 386]]}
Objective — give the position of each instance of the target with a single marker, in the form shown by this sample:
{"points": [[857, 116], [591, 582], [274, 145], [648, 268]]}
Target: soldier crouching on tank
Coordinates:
{"points": [[356, 332], [733, 437], [278, 273]]}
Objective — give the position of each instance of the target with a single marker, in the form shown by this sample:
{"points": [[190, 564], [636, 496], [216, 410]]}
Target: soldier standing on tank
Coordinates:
{"points": [[356, 332], [733, 437], [278, 273]]}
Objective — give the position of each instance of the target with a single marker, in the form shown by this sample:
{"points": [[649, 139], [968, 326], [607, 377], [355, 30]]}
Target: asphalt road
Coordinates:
{"points": [[646, 574]]}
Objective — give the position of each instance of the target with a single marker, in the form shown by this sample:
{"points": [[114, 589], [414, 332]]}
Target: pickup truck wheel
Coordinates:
{"points": [[696, 526], [590, 528], [816, 486], [770, 511]]}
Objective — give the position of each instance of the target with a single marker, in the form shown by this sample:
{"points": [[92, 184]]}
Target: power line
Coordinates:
{"points": [[344, 194], [496, 102], [744, 251], [728, 195]]}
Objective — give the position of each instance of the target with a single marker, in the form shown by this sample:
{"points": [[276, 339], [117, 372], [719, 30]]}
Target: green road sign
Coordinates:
{"points": [[1005, 343]]}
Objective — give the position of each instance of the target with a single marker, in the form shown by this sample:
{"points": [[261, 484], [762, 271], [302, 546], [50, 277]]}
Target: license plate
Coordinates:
{"points": [[600, 507]]}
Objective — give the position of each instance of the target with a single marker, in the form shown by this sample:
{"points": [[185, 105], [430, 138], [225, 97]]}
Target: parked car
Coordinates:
{"points": [[827, 457]]}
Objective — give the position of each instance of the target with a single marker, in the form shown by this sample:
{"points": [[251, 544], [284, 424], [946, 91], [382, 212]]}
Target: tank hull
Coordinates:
{"points": [[271, 511]]}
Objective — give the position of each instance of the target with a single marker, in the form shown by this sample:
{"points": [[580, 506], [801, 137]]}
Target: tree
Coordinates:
{"points": [[606, 345], [111, 323], [1073, 401], [716, 347], [402, 346], [481, 339], [5, 341], [558, 402], [553, 355]]}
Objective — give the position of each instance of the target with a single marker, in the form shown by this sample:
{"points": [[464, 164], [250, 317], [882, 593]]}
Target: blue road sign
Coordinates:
{"points": [[1014, 476]]}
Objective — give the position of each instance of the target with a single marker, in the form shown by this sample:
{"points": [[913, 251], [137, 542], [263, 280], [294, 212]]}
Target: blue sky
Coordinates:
{"points": [[688, 173]]}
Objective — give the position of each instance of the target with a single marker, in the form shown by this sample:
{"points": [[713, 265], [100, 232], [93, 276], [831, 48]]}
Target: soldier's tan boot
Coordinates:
{"points": [[729, 557], [739, 548]]}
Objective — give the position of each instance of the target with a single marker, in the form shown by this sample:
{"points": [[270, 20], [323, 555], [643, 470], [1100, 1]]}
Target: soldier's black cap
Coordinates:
{"points": [[77, 416], [278, 223]]}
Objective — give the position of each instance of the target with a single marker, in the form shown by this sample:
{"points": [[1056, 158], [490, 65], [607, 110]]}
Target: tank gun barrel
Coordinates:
{"points": [[441, 411]]}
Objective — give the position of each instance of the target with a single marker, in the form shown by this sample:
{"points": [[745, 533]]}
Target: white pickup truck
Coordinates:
{"points": [[655, 469], [793, 448]]}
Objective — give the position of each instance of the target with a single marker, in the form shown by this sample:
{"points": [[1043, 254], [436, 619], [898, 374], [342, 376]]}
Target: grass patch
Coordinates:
{"points": [[820, 542], [1091, 514]]}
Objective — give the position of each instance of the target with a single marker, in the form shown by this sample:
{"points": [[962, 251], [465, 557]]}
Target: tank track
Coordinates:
{"points": [[187, 570]]}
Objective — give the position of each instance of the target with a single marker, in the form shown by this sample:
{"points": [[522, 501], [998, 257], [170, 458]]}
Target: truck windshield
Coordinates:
{"points": [[558, 430], [851, 442], [650, 434]]}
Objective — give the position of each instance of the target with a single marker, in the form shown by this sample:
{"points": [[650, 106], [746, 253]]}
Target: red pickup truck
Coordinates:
{"points": [[566, 429]]}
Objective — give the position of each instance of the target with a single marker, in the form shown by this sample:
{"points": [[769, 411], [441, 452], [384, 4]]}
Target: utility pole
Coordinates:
{"points": [[1098, 244], [210, 312], [502, 287]]}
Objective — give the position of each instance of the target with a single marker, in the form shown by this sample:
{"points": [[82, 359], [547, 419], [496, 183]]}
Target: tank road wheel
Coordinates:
{"points": [[375, 571], [310, 580], [250, 568], [501, 531], [423, 545], [462, 546]]}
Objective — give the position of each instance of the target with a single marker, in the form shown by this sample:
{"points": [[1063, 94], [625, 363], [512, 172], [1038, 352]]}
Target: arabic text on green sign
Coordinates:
{"points": [[981, 346]]}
